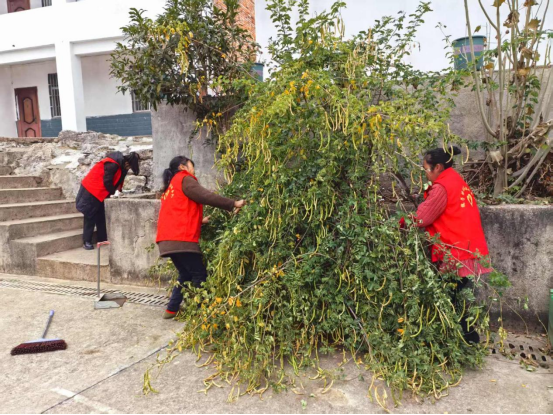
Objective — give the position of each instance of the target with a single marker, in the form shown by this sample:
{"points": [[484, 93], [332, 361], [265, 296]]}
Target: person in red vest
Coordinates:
{"points": [[101, 182], [180, 222], [450, 213]]}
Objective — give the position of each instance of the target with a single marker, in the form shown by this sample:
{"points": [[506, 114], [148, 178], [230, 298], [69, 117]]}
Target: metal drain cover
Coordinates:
{"points": [[132, 297]]}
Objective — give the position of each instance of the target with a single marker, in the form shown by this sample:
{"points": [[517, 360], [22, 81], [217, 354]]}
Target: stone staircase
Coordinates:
{"points": [[41, 231]]}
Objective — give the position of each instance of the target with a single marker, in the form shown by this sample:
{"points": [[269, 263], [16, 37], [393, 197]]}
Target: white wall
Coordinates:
{"points": [[72, 22], [34, 74], [35, 4], [7, 104], [100, 91]]}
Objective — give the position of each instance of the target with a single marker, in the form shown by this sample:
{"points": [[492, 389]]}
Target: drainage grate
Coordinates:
{"points": [[527, 352], [132, 297]]}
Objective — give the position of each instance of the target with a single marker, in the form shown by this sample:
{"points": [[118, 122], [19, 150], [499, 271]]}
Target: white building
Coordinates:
{"points": [[54, 67]]}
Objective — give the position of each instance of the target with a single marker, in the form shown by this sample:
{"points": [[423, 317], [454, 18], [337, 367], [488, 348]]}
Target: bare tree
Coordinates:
{"points": [[507, 89]]}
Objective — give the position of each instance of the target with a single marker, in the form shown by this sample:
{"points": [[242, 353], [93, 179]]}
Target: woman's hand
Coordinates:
{"points": [[206, 220], [239, 204]]}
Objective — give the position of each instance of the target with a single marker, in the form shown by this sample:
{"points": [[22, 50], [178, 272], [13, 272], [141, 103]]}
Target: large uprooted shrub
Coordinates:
{"points": [[316, 261]]}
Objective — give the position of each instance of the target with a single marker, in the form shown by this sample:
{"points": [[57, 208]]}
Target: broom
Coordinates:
{"points": [[41, 345]]}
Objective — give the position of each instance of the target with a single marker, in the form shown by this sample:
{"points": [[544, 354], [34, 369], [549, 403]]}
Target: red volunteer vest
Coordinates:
{"points": [[460, 225], [180, 218], [94, 180]]}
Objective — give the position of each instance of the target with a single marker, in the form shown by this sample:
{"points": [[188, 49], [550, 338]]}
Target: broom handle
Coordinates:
{"points": [[48, 324]]}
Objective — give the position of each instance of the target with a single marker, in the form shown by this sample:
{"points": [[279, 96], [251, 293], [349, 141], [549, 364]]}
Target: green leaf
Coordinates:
{"points": [[477, 29]]}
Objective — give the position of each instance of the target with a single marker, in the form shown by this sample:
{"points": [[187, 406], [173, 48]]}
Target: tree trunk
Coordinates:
{"points": [[500, 181]]}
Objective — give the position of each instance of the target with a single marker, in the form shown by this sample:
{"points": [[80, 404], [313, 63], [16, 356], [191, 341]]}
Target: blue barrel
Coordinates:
{"points": [[257, 71], [462, 53]]}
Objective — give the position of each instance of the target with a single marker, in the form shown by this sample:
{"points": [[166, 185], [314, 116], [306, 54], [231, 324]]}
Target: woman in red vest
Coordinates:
{"points": [[179, 225], [101, 182], [450, 212]]}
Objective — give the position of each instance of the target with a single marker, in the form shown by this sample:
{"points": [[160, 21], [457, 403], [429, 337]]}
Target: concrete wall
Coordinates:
{"points": [[100, 91], [7, 104], [132, 229], [73, 22], [466, 121], [520, 239], [171, 129]]}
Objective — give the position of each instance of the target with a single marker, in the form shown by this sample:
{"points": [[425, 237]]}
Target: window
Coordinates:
{"points": [[46, 3], [138, 105], [55, 106]]}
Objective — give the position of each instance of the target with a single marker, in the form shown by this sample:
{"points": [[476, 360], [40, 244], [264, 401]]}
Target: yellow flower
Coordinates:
{"points": [[223, 313], [215, 326], [227, 326], [219, 300], [298, 236], [235, 318], [238, 303], [231, 301], [400, 320], [400, 331], [204, 327]]}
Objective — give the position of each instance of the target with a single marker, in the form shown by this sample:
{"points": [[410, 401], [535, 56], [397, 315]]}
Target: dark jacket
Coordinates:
{"points": [[87, 204]]}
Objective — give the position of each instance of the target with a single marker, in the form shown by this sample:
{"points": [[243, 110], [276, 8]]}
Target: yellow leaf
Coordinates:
{"points": [[523, 71], [533, 24], [498, 3], [489, 65]]}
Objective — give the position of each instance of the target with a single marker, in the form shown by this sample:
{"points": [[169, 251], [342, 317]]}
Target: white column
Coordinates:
{"points": [[70, 81]]}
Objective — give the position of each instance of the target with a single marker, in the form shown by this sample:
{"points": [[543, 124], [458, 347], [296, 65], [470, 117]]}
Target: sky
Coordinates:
{"points": [[361, 14]]}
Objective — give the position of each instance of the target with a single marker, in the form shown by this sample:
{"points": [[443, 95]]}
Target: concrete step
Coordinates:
{"points": [[23, 228], [7, 158], [5, 170], [25, 251], [20, 182], [75, 264], [16, 211], [9, 196]]}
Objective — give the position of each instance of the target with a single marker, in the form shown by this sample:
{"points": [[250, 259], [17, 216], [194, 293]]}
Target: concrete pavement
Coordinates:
{"points": [[109, 350]]}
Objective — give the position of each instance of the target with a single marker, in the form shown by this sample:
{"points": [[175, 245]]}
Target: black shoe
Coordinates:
{"points": [[88, 246]]}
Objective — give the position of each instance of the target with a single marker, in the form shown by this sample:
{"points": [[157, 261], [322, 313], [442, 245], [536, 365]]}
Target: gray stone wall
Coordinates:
{"points": [[520, 239], [173, 131]]}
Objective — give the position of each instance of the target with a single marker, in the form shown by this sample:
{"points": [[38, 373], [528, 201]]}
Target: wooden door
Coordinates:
{"points": [[28, 124], [18, 5]]}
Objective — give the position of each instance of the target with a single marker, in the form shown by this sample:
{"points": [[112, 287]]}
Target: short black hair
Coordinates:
{"points": [[441, 156]]}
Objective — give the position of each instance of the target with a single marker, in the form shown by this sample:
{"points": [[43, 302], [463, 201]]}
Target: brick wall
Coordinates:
{"points": [[246, 19]]}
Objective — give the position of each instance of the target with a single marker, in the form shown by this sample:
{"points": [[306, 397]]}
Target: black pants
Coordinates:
{"points": [[191, 269], [470, 334], [98, 221]]}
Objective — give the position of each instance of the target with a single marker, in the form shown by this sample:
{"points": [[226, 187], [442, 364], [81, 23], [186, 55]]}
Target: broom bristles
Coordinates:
{"points": [[39, 347]]}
